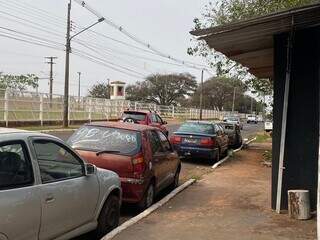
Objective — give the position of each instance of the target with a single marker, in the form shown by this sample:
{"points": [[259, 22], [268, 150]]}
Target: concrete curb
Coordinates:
{"points": [[217, 164], [148, 211]]}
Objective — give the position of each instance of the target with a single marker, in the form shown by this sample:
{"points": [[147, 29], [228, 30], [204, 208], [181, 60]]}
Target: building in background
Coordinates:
{"points": [[117, 90]]}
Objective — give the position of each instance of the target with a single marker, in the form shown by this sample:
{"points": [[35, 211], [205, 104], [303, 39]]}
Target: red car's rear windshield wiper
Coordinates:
{"points": [[107, 151]]}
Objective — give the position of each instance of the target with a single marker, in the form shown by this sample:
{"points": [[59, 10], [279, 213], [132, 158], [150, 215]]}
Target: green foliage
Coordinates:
{"points": [[18, 82], [99, 90], [228, 11], [218, 92], [167, 89]]}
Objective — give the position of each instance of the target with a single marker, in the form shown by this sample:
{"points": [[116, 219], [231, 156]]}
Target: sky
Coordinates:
{"points": [[164, 24]]}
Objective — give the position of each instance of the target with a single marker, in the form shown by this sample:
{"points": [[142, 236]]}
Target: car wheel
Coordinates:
{"points": [[109, 216], [217, 158], [148, 198], [175, 182]]}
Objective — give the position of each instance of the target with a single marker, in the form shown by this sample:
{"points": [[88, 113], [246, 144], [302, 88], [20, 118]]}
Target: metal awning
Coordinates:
{"points": [[250, 42]]}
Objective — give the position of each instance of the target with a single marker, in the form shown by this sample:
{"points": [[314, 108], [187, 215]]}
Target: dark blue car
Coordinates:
{"points": [[200, 140]]}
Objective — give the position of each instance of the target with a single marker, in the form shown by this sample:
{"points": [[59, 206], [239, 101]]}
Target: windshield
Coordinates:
{"points": [[233, 119], [204, 128], [134, 115], [97, 139]]}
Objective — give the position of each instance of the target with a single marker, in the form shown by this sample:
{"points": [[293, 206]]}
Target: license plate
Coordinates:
{"points": [[190, 140]]}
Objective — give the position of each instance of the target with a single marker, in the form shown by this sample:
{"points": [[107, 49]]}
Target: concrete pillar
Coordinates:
{"points": [[302, 132]]}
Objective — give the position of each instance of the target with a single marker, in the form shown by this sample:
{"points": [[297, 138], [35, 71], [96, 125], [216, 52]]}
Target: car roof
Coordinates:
{"points": [[13, 132], [121, 125], [200, 122], [137, 111]]}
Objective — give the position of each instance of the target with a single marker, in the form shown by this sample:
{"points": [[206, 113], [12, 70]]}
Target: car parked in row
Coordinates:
{"points": [[233, 119], [252, 119], [48, 192], [234, 134], [141, 155], [145, 118], [268, 126], [200, 139]]}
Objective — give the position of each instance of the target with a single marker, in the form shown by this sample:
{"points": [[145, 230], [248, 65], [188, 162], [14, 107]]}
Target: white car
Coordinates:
{"points": [[48, 192], [252, 119], [268, 126]]}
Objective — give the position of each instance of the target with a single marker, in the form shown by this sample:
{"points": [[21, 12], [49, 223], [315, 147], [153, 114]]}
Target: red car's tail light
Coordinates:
{"points": [[175, 139], [208, 142], [139, 165]]}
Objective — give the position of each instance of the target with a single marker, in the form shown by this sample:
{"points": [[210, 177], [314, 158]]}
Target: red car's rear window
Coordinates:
{"points": [[97, 139], [134, 115]]}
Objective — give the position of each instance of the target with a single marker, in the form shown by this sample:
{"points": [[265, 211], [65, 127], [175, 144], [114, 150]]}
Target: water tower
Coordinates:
{"points": [[117, 90]]}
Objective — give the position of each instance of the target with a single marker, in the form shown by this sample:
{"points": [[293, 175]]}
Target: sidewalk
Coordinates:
{"points": [[233, 202]]}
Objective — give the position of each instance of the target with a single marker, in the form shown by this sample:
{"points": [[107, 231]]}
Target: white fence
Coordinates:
{"points": [[38, 107]]}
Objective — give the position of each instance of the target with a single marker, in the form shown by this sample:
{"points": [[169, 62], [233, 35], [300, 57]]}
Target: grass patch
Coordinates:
{"points": [[262, 137]]}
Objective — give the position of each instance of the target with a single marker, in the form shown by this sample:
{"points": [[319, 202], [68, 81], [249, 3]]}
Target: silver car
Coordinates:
{"points": [[48, 192]]}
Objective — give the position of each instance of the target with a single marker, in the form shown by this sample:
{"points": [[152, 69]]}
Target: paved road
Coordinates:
{"points": [[190, 169], [248, 130]]}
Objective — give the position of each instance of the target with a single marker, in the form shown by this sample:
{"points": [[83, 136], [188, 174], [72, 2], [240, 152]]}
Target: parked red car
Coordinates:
{"points": [[141, 155], [145, 118]]}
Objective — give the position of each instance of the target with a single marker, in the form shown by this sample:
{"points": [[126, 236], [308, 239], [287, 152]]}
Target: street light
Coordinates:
{"points": [[67, 64]]}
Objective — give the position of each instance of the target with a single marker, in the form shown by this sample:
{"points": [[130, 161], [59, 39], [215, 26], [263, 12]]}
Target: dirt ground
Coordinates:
{"points": [[232, 202]]}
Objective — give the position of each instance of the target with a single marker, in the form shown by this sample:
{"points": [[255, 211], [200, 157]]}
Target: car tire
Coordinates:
{"points": [[109, 216], [175, 182], [148, 198], [217, 157]]}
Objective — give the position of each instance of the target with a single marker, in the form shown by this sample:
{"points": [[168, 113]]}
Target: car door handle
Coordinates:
{"points": [[50, 198]]}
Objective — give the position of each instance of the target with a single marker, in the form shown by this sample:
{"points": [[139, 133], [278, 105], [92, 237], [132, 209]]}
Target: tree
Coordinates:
{"points": [[218, 93], [99, 90], [18, 82], [228, 11], [166, 89]]}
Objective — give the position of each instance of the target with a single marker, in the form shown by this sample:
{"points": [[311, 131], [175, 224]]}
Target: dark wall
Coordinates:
{"points": [[302, 140]]}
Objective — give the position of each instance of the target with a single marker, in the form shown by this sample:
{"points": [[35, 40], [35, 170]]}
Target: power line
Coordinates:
{"points": [[136, 39], [30, 42], [31, 36]]}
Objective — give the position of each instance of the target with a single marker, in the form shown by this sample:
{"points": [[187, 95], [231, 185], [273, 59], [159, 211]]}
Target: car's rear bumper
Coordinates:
{"points": [[132, 189], [195, 152]]}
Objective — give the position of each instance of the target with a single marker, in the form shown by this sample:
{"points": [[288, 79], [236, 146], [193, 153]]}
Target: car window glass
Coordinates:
{"points": [[195, 127], [159, 120], [221, 128], [15, 166], [56, 162], [154, 118], [95, 138], [155, 142], [164, 142], [217, 129]]}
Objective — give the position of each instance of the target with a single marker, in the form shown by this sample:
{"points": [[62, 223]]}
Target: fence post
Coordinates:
{"points": [[6, 108], [90, 109], [41, 110], [172, 111], [135, 106]]}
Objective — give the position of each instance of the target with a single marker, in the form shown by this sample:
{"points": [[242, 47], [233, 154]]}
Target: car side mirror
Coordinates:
{"points": [[90, 169]]}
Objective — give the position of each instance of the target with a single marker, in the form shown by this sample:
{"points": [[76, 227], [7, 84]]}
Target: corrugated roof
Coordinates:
{"points": [[250, 42]]}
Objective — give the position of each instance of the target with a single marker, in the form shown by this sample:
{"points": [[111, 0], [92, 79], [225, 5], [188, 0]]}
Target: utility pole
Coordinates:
{"points": [[68, 51], [234, 97], [51, 76], [251, 104], [79, 87], [66, 79], [201, 94], [109, 92]]}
